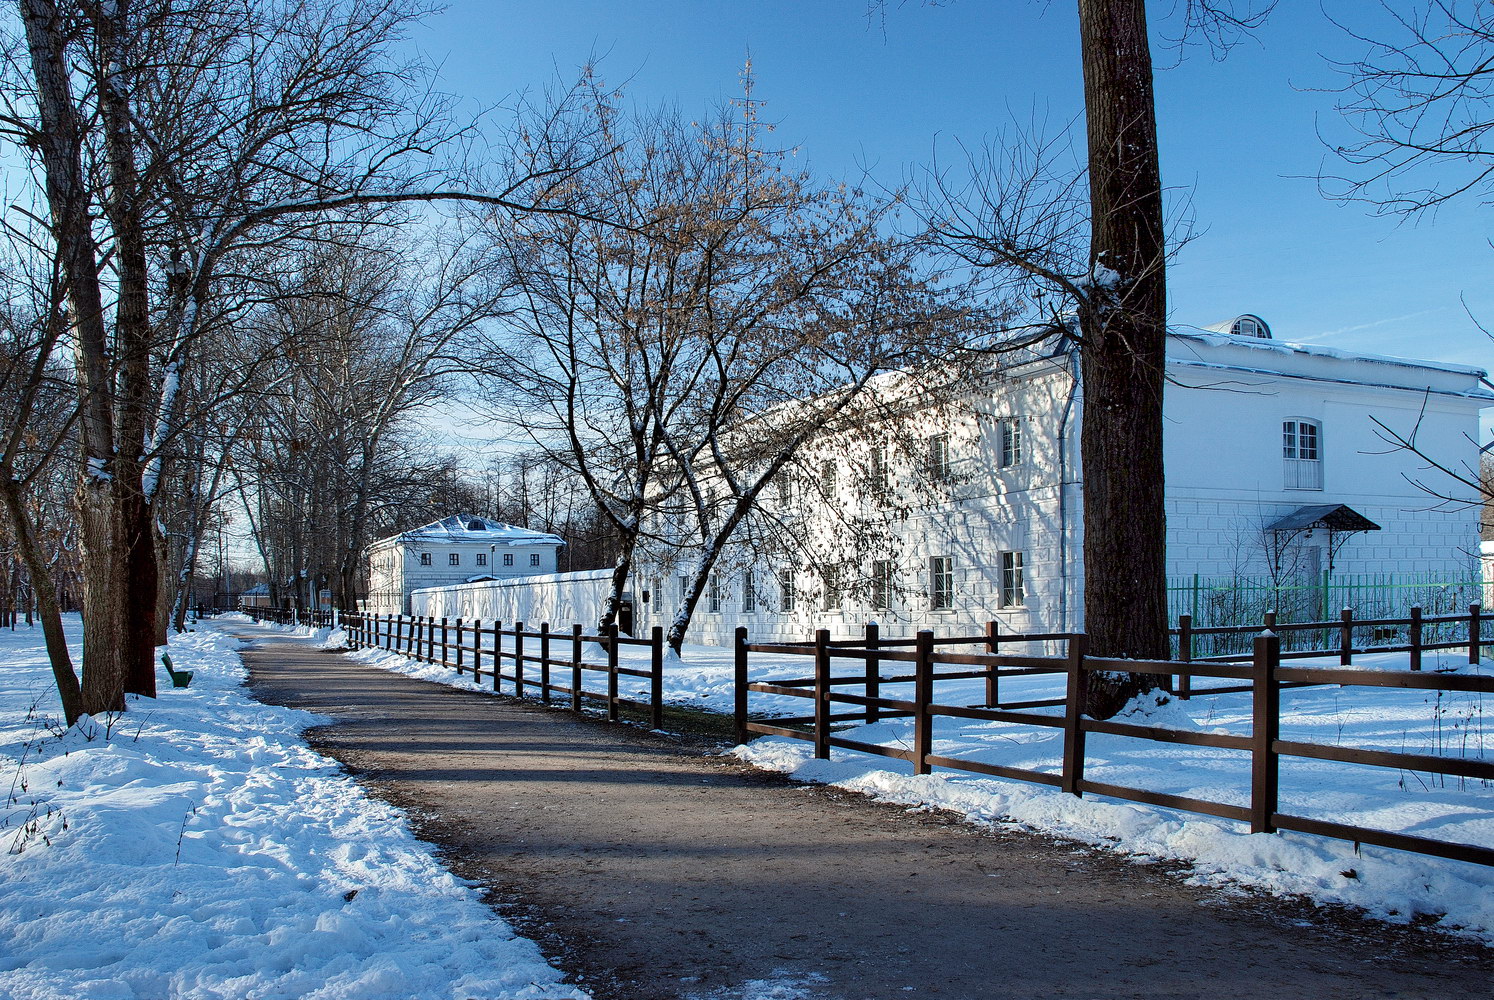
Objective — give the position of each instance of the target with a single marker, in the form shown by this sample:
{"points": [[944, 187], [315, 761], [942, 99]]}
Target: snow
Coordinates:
{"points": [[1392, 885], [195, 847], [457, 529]]}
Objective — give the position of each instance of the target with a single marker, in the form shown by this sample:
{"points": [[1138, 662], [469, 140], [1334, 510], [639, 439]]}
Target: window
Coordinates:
{"points": [[713, 604], [534, 558], [1250, 326], [684, 582], [827, 478], [1013, 590], [876, 470], [833, 597], [1302, 454], [1010, 430], [749, 595], [941, 583], [938, 458], [508, 558], [482, 559], [425, 558], [453, 559], [786, 591], [882, 585]]}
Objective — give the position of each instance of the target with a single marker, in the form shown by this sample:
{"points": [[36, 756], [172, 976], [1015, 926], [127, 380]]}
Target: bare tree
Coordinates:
{"points": [[1420, 108], [196, 134]]}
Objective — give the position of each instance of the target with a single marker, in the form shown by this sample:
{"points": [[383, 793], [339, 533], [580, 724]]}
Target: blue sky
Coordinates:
{"points": [[1239, 137]]}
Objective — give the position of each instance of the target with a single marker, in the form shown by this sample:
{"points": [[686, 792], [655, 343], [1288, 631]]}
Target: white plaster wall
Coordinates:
{"points": [[1223, 454], [562, 599]]}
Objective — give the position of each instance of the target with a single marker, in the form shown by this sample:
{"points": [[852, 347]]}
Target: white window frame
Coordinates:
{"points": [[1302, 453], [1013, 580], [834, 586], [534, 558], [937, 458], [1009, 442], [713, 595], [749, 593], [788, 594], [878, 470], [941, 583], [883, 575]]}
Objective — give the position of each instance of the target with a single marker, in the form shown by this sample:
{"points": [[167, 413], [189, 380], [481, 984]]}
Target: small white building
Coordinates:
{"points": [[1280, 486], [454, 550]]}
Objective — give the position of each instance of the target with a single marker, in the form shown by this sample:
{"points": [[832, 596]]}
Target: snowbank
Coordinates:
{"points": [[194, 847]]}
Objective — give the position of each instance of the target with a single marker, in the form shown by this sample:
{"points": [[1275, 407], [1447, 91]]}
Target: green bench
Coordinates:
{"points": [[179, 678]]}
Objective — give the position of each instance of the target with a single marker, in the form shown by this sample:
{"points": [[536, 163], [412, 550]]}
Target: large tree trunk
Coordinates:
{"points": [[1123, 356]]}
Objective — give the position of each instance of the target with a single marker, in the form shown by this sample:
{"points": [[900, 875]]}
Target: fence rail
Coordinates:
{"points": [[325, 618], [1264, 673], [547, 662], [1415, 634]]}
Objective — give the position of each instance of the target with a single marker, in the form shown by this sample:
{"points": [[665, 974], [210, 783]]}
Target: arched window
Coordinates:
{"points": [[1251, 326]]}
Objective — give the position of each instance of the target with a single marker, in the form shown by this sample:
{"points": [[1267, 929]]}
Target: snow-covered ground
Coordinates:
{"points": [[1393, 885], [194, 847]]}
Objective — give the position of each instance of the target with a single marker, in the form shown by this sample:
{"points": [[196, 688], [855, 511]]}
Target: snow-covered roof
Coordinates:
{"points": [[466, 528]]}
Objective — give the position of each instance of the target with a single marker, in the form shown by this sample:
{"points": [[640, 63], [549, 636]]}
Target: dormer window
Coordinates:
{"points": [[1251, 326], [476, 526]]}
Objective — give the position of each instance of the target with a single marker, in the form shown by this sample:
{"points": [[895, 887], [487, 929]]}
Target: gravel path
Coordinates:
{"points": [[650, 870]]}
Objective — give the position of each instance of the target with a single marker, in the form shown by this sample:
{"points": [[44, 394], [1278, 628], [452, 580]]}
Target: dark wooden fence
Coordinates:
{"points": [[293, 616], [539, 663], [925, 662]]}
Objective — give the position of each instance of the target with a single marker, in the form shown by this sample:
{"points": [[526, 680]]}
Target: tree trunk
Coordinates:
{"points": [[1123, 357], [44, 593]]}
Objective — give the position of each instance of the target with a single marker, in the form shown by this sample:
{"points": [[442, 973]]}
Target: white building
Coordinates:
{"points": [[454, 550], [971, 510]]}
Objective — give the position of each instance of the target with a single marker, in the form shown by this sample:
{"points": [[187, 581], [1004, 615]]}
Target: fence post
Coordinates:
{"points": [[445, 642], [519, 659], [477, 651], [1265, 726], [821, 694], [993, 679], [612, 651], [1346, 637], [576, 667], [1185, 653], [656, 678], [1415, 638], [740, 700], [873, 687], [923, 694], [545, 662], [461, 651], [1474, 638], [497, 654], [1072, 779]]}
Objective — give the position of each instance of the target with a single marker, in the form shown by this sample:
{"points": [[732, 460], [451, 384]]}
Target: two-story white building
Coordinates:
{"points": [[457, 549], [970, 509]]}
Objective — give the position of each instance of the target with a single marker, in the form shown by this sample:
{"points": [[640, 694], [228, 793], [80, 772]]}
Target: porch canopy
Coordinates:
{"points": [[1338, 520]]}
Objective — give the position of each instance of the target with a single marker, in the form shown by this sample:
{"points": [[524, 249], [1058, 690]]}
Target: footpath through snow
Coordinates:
{"points": [[1391, 885], [195, 847]]}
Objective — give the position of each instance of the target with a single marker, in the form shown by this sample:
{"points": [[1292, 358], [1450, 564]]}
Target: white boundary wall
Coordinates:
{"points": [[562, 599]]}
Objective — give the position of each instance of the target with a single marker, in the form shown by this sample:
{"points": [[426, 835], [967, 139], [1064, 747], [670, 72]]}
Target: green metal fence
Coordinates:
{"points": [[1245, 600]]}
